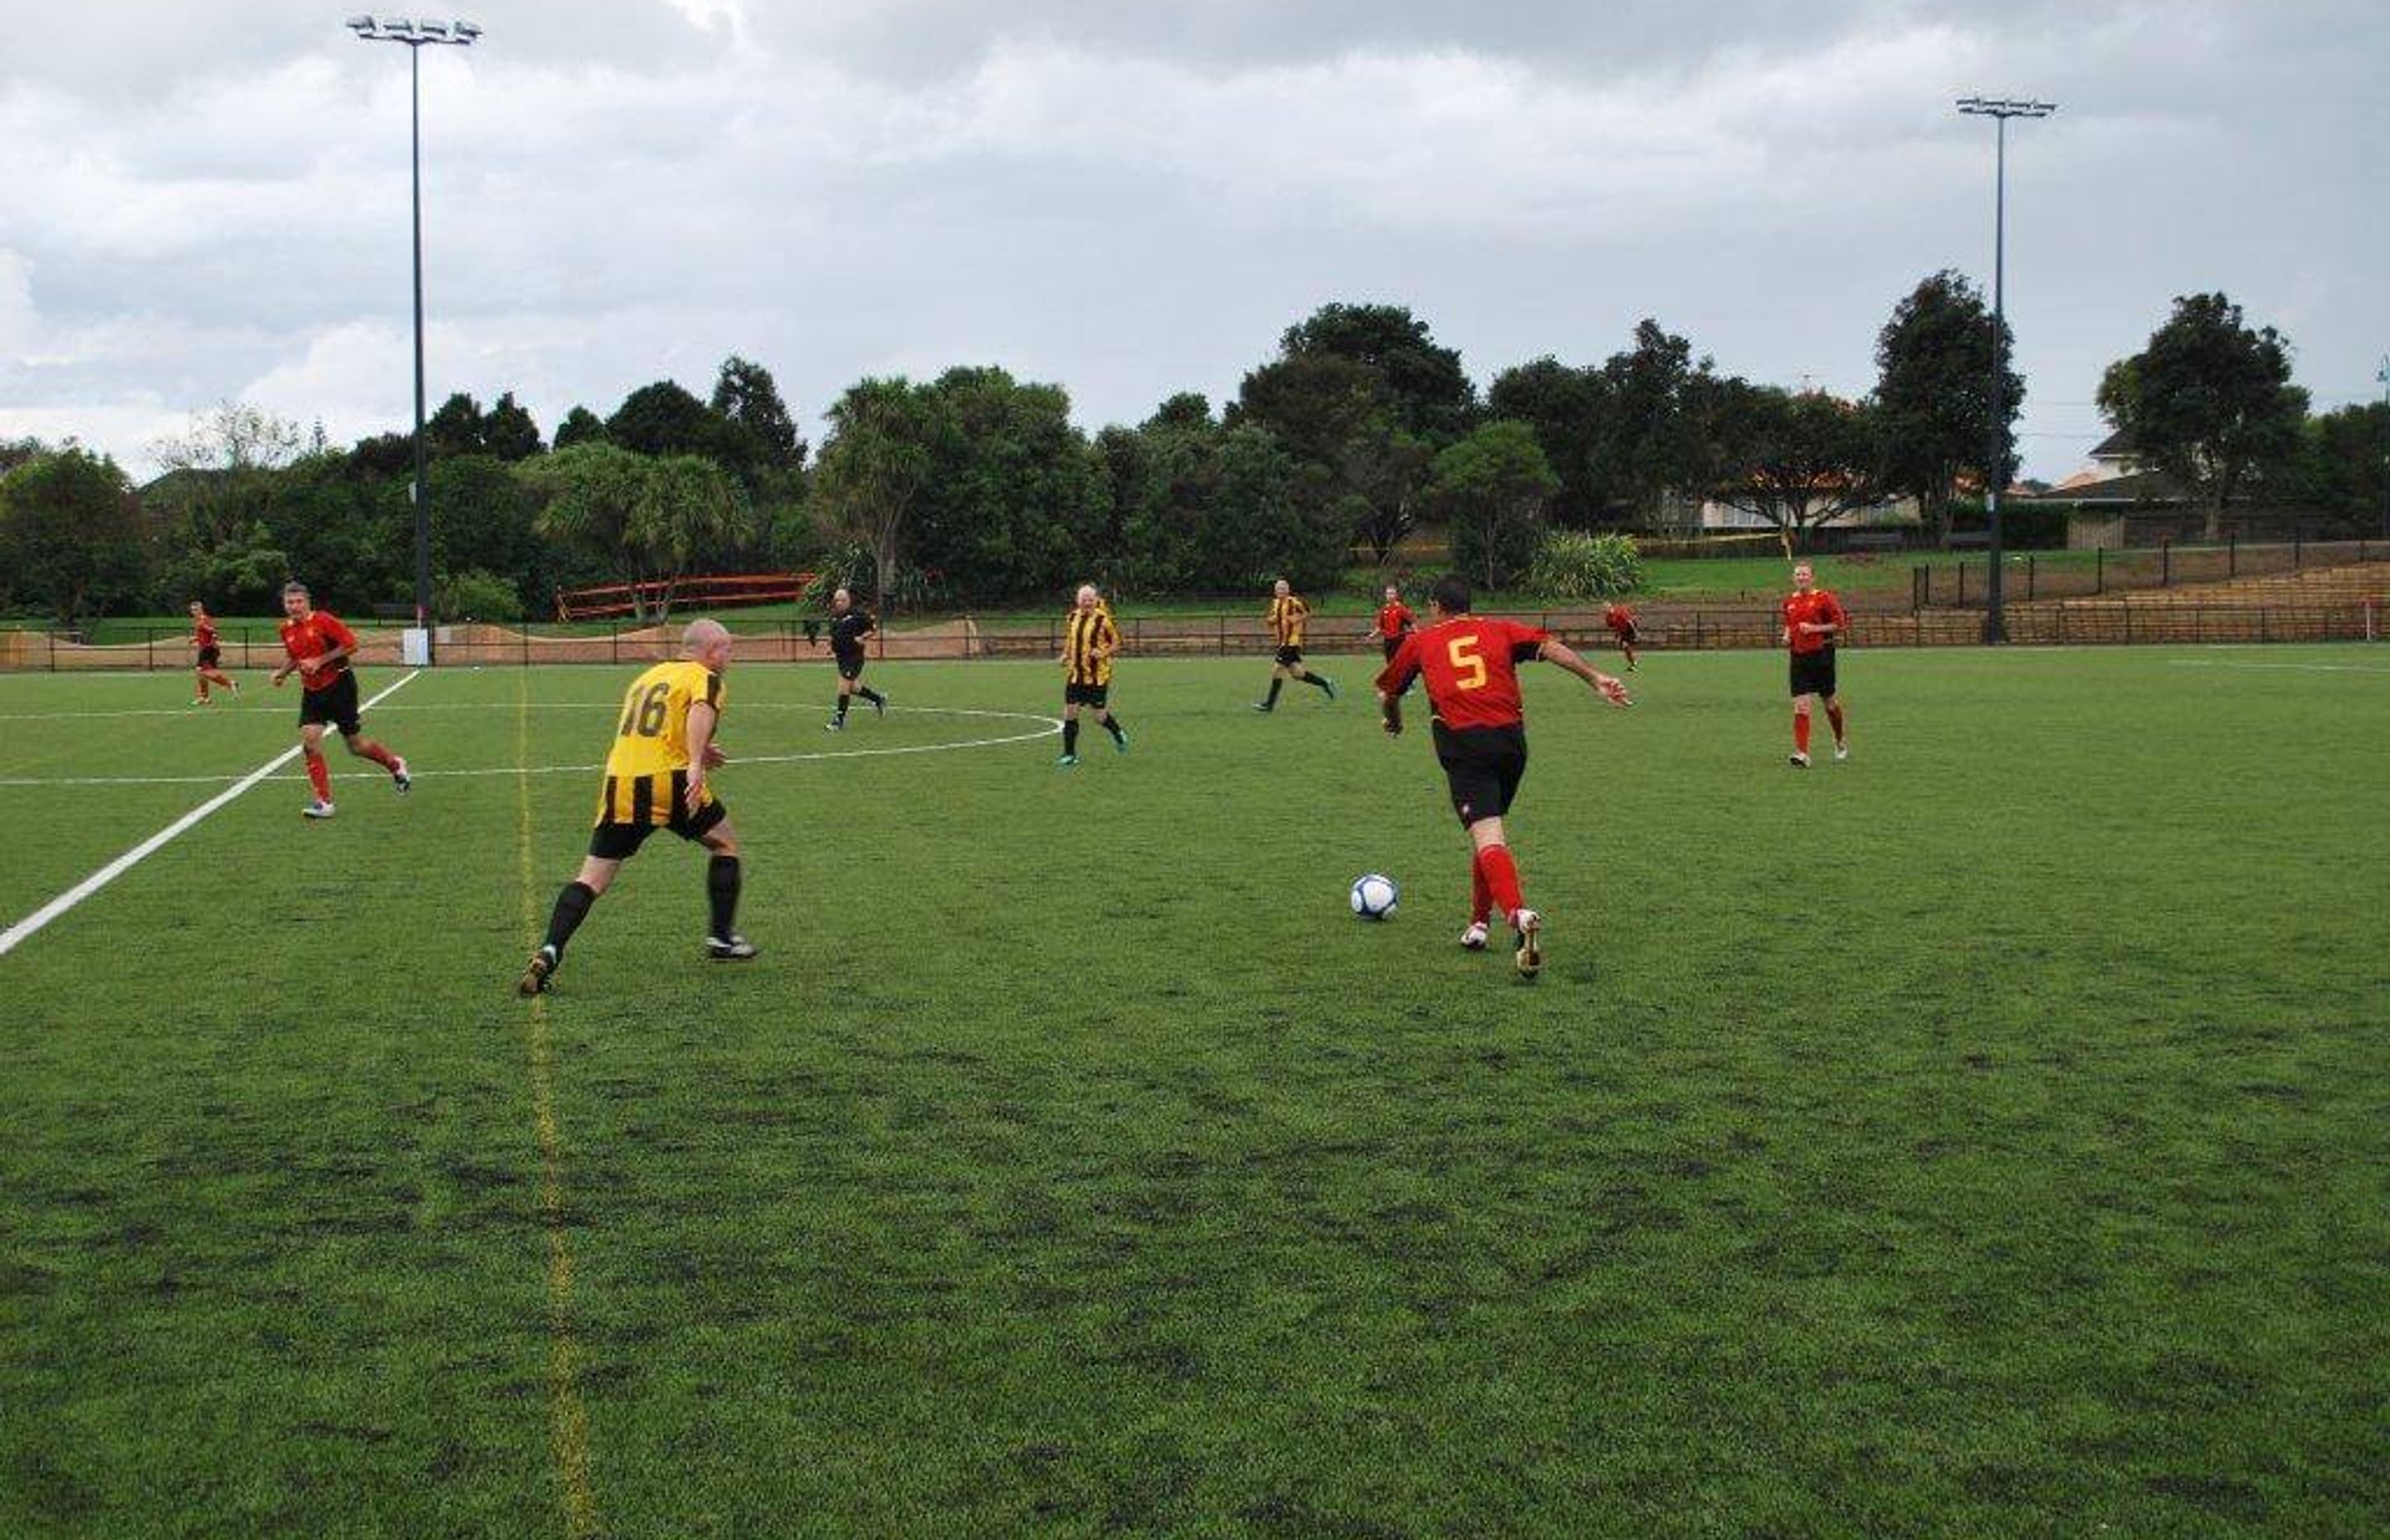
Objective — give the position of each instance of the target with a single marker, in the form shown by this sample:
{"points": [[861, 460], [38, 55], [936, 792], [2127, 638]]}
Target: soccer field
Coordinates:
{"points": [[1984, 1137]]}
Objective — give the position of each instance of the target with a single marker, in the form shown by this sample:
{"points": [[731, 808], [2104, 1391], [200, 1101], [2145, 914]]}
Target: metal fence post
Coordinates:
{"points": [[2031, 560], [2099, 569], [1962, 584], [2165, 564]]}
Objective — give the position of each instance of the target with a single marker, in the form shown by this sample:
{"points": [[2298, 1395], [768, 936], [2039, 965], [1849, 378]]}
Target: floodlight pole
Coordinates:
{"points": [[460, 34], [2382, 377], [1997, 467]]}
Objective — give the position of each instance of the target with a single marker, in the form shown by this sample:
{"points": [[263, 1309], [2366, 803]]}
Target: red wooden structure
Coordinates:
{"points": [[613, 600]]}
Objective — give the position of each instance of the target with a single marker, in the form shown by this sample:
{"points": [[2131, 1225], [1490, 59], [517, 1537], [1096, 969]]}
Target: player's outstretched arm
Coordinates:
{"points": [[1613, 690]]}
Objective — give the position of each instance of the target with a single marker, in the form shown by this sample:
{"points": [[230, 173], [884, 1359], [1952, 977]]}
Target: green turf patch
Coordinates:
{"points": [[1982, 1137]]}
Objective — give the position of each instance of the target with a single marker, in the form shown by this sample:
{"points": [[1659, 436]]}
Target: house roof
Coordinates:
{"points": [[2144, 486], [2117, 445]]}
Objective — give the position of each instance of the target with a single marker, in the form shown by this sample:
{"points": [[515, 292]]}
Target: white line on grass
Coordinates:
{"points": [[1047, 727], [2293, 668], [24, 929]]}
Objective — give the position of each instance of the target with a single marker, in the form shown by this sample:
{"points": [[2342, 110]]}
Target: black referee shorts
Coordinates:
{"points": [[1483, 766], [1288, 657], [1087, 695]]}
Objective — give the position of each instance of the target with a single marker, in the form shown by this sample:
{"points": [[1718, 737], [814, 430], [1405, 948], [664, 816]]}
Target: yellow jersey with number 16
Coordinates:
{"points": [[648, 763]]}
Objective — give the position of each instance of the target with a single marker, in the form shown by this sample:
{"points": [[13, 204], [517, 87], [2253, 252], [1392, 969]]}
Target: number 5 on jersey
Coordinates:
{"points": [[1468, 669]]}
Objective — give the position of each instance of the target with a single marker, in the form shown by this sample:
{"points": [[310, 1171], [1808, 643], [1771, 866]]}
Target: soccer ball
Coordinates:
{"points": [[1375, 895]]}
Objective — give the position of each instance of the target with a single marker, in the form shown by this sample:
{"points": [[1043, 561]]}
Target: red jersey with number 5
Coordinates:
{"points": [[1470, 666]]}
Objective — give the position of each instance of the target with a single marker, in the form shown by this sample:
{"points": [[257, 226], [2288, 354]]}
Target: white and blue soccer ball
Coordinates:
{"points": [[1375, 895]]}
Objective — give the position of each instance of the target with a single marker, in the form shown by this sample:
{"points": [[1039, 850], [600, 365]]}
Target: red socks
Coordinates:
{"points": [[1499, 875], [1835, 715], [1800, 732], [373, 750], [319, 774], [1481, 897]]}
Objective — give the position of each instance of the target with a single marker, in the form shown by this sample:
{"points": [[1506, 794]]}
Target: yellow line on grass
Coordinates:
{"points": [[569, 1419]]}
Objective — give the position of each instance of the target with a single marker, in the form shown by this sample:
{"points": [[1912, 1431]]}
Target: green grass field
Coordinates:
{"points": [[1983, 1138]]}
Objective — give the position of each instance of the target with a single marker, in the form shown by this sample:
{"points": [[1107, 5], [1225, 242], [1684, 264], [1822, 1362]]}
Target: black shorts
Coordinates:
{"points": [[1391, 645], [621, 842], [1627, 637], [208, 655], [333, 706], [1288, 656], [1086, 695], [1813, 672], [1483, 766], [850, 668]]}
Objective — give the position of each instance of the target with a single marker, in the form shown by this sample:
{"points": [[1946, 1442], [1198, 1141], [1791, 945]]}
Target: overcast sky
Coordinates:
{"points": [[203, 201]]}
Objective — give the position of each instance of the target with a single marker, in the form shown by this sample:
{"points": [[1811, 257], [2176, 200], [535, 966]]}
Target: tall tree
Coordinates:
{"points": [[1649, 440], [580, 425], [1012, 498], [664, 419], [16, 452], [2209, 402], [746, 395], [1430, 394], [508, 430], [1492, 487], [883, 436], [1357, 466], [1567, 408], [1797, 461], [234, 436], [650, 517], [457, 428], [70, 534], [2343, 463], [1933, 386]]}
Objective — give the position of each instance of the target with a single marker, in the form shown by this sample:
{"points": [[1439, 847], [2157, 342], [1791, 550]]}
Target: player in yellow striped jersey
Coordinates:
{"points": [[656, 778], [1090, 636], [1287, 617]]}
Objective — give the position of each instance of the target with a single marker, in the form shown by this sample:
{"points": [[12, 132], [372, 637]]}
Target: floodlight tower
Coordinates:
{"points": [[2382, 377], [1995, 470], [416, 34]]}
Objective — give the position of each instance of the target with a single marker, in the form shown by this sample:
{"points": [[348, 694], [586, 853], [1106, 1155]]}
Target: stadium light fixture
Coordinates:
{"points": [[1999, 110], [454, 35]]}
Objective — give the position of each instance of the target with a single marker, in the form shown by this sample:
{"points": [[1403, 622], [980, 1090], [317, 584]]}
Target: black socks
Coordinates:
{"points": [[572, 908], [722, 894]]}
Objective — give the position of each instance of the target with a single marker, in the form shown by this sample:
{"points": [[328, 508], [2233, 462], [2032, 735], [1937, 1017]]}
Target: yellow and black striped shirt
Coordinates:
{"points": [[1089, 638], [1286, 618], [646, 770]]}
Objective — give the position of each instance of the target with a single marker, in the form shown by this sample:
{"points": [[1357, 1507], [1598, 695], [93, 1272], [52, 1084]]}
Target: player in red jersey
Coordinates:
{"points": [[1471, 668], [1394, 621], [1621, 622], [206, 654], [1814, 623], [319, 649]]}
